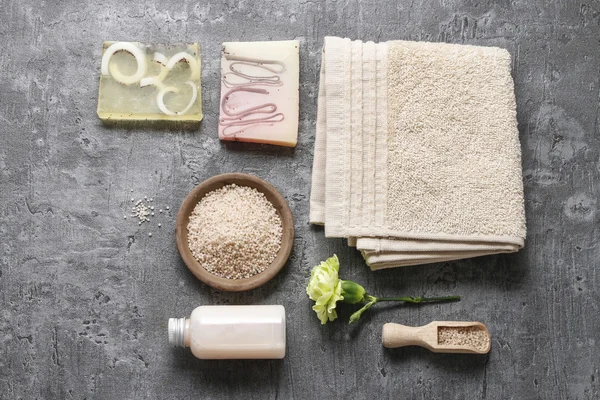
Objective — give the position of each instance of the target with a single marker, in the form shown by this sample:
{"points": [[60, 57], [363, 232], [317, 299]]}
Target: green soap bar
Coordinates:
{"points": [[150, 82]]}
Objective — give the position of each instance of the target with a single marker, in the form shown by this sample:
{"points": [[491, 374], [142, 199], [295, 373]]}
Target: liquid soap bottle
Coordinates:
{"points": [[231, 332]]}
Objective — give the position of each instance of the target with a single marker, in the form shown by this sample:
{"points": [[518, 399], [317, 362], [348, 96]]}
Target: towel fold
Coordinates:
{"points": [[417, 155]]}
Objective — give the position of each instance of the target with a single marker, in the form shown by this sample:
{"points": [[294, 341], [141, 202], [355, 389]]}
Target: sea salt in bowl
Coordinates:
{"points": [[217, 182]]}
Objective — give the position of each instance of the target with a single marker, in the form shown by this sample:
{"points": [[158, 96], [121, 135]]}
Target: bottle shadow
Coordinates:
{"points": [[245, 374]]}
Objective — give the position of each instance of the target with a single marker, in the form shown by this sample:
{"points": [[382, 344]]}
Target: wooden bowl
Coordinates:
{"points": [[216, 182]]}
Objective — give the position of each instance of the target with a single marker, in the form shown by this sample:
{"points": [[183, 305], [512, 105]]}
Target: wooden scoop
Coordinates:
{"points": [[440, 337]]}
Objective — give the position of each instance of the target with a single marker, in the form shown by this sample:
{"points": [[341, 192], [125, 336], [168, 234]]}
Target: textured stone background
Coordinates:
{"points": [[85, 295]]}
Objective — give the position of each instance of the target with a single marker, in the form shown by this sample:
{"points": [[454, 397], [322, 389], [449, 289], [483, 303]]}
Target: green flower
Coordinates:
{"points": [[325, 288]]}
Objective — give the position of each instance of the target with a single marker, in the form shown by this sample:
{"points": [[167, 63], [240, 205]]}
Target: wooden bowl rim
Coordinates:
{"points": [[241, 179]]}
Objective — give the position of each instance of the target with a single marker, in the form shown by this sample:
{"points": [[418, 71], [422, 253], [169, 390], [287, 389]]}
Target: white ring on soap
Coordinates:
{"points": [[112, 70], [155, 80], [160, 58], [194, 67], [170, 89]]}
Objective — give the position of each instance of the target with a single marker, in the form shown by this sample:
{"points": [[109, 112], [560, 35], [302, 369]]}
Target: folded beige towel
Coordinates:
{"points": [[417, 155]]}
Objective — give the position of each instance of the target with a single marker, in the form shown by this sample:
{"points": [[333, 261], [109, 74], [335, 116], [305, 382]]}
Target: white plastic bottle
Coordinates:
{"points": [[231, 332]]}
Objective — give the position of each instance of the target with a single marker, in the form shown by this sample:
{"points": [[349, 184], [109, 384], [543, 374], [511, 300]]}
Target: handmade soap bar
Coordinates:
{"points": [[259, 92], [150, 82]]}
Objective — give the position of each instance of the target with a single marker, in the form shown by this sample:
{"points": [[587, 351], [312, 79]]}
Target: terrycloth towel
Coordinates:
{"points": [[417, 155]]}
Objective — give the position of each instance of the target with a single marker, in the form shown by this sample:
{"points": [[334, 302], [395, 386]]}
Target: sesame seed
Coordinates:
{"points": [[234, 232], [159, 225], [124, 216], [168, 208], [468, 336], [150, 234], [141, 212]]}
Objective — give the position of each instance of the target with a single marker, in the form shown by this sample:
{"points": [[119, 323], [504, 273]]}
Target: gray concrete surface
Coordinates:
{"points": [[85, 295]]}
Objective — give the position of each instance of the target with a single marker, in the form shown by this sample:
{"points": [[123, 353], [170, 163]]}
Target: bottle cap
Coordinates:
{"points": [[176, 327]]}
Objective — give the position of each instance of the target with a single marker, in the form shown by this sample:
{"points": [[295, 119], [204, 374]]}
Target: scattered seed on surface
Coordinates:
{"points": [[234, 232], [152, 214], [168, 208], [160, 211], [151, 207], [159, 225], [124, 216], [132, 199], [471, 336], [141, 212], [150, 234]]}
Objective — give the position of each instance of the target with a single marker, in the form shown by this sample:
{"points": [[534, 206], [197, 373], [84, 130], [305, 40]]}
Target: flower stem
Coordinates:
{"points": [[419, 299], [371, 300]]}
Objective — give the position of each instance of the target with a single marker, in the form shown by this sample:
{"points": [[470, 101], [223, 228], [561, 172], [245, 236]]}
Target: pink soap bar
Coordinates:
{"points": [[259, 92]]}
